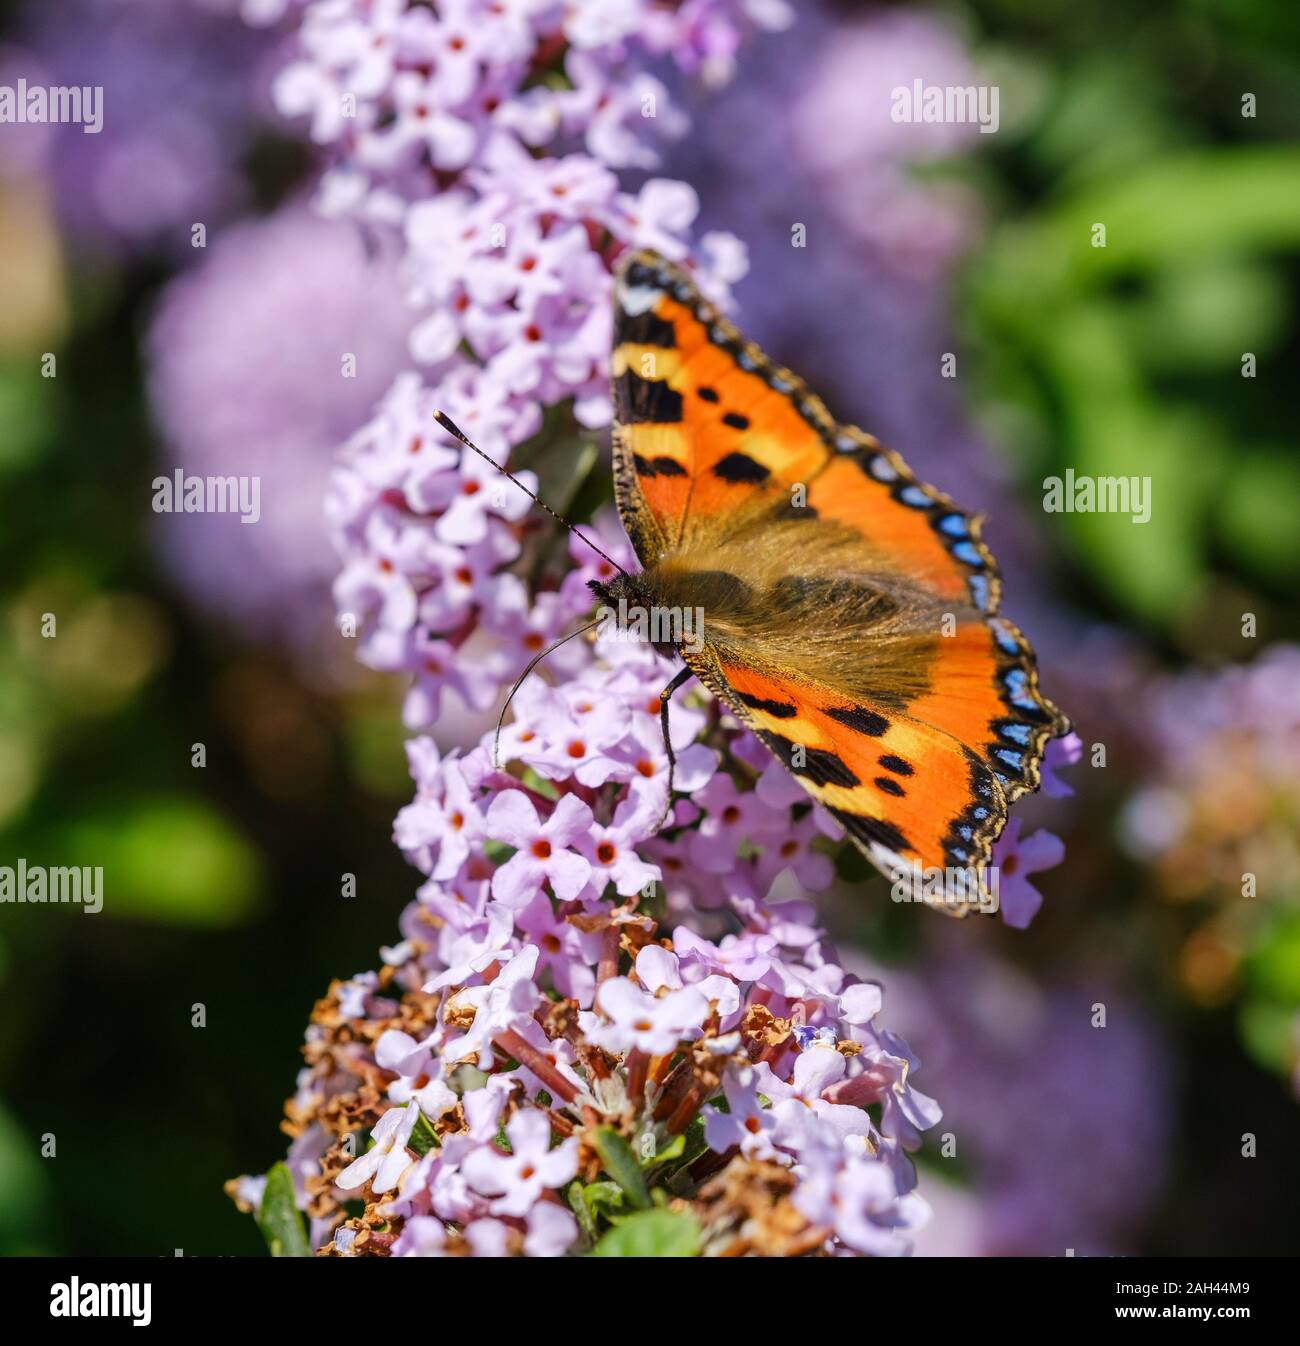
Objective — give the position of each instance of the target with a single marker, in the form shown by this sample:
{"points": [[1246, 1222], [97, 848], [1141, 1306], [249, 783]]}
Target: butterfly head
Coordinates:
{"points": [[629, 605], [631, 590]]}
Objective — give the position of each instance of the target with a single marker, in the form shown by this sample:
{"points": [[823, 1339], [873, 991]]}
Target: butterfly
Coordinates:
{"points": [[850, 611]]}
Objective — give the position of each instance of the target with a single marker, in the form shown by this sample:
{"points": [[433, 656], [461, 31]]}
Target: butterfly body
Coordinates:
{"points": [[849, 612]]}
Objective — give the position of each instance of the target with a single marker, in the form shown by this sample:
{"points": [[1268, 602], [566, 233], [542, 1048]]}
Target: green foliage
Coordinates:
{"points": [[652, 1233], [621, 1165], [171, 860], [1097, 349], [279, 1218]]}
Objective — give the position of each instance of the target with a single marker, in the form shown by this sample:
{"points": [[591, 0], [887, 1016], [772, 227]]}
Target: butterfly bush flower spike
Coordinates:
{"points": [[600, 1008]]}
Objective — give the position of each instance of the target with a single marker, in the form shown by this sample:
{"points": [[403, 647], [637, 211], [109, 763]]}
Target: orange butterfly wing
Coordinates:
{"points": [[915, 729]]}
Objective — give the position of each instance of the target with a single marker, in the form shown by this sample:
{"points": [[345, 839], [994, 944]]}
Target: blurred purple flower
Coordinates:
{"points": [[1015, 860], [179, 110], [246, 377], [1013, 1058]]}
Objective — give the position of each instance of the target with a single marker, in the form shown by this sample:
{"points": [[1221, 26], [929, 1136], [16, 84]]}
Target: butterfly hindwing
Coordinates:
{"points": [[908, 794]]}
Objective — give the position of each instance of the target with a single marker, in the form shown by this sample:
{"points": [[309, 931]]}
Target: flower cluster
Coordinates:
{"points": [[541, 1071], [437, 118]]}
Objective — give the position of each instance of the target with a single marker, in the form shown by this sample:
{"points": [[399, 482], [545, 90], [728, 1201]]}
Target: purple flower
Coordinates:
{"points": [[543, 851], [641, 1022], [229, 403], [387, 1159], [1014, 860], [519, 1179], [543, 999], [1061, 752], [498, 1007], [747, 1124]]}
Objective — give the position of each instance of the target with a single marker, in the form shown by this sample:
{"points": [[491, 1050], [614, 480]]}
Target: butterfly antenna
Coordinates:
{"points": [[532, 664], [454, 430]]}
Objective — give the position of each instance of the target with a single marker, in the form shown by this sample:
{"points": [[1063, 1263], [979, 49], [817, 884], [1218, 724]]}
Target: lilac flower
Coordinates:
{"points": [[411, 1062], [542, 849], [815, 1071], [1061, 752], [498, 1007], [644, 1023], [229, 403], [611, 850], [180, 107], [1015, 860], [518, 1180], [747, 1125], [386, 1160]]}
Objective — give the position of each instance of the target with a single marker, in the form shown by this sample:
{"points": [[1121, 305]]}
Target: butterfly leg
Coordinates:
{"points": [[683, 674]]}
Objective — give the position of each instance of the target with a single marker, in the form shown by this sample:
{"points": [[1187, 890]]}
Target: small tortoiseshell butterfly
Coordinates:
{"points": [[850, 612]]}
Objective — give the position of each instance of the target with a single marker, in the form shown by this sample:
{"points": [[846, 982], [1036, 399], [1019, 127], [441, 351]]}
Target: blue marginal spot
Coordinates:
{"points": [[719, 336], [959, 853], [964, 833], [1013, 759], [882, 469], [1016, 732], [747, 362], [846, 443], [1006, 641], [915, 496], [979, 591], [779, 384], [970, 553], [979, 814], [954, 525], [1016, 680]]}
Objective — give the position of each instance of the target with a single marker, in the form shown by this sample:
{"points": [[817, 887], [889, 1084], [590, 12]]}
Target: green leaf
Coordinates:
{"points": [[578, 1205], [423, 1138], [621, 1165], [673, 1150], [279, 1218], [652, 1233], [604, 1199]]}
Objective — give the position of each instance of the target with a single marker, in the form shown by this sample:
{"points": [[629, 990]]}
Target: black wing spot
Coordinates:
{"points": [[896, 765], [736, 420], [647, 329], [889, 786], [662, 466], [859, 718], [872, 829], [819, 766], [740, 467], [708, 394], [646, 400], [779, 710]]}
